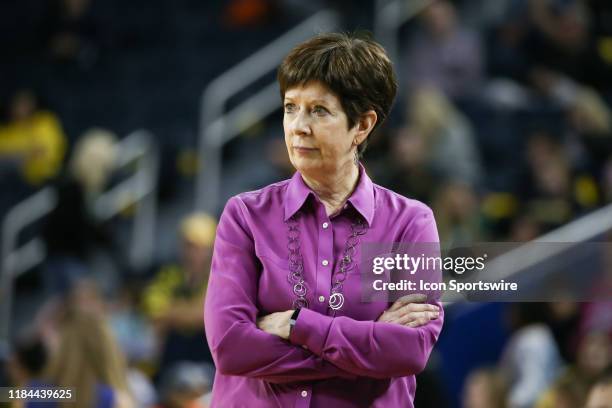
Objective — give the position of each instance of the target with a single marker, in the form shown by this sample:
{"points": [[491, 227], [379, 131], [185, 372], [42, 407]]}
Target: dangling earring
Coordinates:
{"points": [[357, 155]]}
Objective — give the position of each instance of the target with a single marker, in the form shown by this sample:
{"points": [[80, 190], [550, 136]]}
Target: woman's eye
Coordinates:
{"points": [[320, 111], [289, 108]]}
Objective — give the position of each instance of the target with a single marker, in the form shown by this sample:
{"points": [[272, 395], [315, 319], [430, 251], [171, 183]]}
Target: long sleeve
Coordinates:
{"points": [[373, 349], [237, 345], [365, 348]]}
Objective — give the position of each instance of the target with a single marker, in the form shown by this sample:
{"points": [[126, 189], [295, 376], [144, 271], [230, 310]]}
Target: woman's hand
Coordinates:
{"points": [[276, 323], [410, 311]]}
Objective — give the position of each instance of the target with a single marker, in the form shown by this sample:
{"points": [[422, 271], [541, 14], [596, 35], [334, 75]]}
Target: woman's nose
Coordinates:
{"points": [[300, 124]]}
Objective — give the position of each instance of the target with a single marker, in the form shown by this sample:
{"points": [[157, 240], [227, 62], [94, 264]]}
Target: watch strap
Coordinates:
{"points": [[293, 319]]}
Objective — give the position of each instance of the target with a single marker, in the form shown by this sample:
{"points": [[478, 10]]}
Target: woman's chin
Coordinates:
{"points": [[305, 165]]}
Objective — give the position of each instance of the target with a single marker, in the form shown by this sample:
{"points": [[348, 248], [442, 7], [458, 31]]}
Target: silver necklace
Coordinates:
{"points": [[296, 264]]}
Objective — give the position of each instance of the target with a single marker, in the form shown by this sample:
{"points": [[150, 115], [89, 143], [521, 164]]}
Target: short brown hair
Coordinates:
{"points": [[353, 66]]}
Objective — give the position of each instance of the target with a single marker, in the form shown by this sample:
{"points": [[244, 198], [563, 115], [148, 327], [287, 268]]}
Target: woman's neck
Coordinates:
{"points": [[334, 189]]}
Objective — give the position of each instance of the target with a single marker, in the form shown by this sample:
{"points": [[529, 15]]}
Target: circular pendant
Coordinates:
{"points": [[299, 289], [300, 303], [336, 300]]}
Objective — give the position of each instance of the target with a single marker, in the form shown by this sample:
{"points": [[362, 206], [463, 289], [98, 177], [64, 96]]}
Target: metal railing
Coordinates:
{"points": [[581, 230], [524, 257], [19, 259], [217, 127], [139, 190], [390, 16]]}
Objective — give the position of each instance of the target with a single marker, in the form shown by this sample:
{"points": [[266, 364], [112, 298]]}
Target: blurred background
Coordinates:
{"points": [[125, 126]]}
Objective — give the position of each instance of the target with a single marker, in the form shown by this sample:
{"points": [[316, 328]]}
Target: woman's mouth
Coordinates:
{"points": [[301, 149]]}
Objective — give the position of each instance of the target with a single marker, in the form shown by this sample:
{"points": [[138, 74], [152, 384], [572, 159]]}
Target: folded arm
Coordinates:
{"points": [[365, 348], [237, 345], [375, 349]]}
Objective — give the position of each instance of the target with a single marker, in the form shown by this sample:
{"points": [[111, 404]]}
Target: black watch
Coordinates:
{"points": [[293, 319]]}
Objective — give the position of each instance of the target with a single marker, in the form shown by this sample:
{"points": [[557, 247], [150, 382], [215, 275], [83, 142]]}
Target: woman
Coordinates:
{"points": [[88, 360], [283, 309]]}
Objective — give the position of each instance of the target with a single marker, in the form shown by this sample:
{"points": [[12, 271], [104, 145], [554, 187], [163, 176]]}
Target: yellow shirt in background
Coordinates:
{"points": [[40, 141]]}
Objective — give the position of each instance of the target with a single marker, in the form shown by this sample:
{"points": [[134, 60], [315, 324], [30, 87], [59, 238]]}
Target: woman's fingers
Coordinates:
{"points": [[404, 300], [416, 319], [417, 307], [411, 308], [418, 323], [413, 314], [264, 322]]}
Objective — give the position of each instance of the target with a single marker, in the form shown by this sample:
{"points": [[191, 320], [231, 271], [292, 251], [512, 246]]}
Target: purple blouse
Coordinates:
{"points": [[349, 360]]}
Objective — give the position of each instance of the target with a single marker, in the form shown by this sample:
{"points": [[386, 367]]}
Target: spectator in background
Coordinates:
{"points": [[444, 54], [484, 388], [600, 395], [88, 360], [93, 160], [133, 331], [562, 42], [589, 119], [27, 361], [458, 214], [406, 168], [530, 361], [33, 138], [590, 129], [451, 150], [549, 198], [524, 228], [437, 147], [72, 233], [594, 356], [185, 385], [589, 114], [566, 392], [71, 33], [554, 191], [564, 321], [137, 340], [174, 298], [81, 295], [506, 44]]}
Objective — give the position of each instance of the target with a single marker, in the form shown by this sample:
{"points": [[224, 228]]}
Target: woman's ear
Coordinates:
{"points": [[366, 123]]}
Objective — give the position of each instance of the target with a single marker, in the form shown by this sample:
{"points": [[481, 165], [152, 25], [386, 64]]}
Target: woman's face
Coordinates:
{"points": [[316, 130]]}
